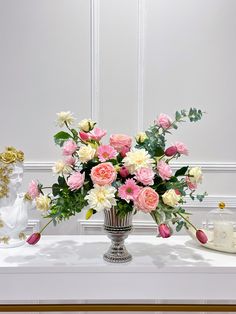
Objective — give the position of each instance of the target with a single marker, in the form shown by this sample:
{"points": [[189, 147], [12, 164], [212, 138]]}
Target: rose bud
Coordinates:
{"points": [[124, 172], [124, 151], [164, 231], [201, 236], [171, 151], [34, 238], [84, 136]]}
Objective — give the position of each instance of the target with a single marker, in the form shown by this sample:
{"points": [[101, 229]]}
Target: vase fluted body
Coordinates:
{"points": [[117, 228]]}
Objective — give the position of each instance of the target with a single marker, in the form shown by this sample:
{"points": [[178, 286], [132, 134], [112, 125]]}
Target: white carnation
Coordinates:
{"points": [[65, 117], [136, 159], [60, 167], [101, 197]]}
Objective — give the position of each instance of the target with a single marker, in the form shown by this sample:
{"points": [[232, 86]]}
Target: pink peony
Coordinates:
{"points": [[164, 121], [201, 236], [70, 161], [76, 181], [145, 176], [129, 190], [164, 170], [103, 174], [119, 141], [147, 200], [181, 148], [97, 134], [106, 152], [33, 238], [191, 185], [124, 172], [84, 136], [171, 151], [33, 189], [69, 148], [164, 231]]}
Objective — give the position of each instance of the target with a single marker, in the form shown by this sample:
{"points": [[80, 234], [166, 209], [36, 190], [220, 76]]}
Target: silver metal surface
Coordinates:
{"points": [[117, 229]]}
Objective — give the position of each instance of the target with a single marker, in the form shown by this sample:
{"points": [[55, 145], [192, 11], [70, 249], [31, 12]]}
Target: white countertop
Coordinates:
{"points": [[72, 267]]}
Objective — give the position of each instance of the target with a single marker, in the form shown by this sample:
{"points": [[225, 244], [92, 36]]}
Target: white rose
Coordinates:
{"points": [[171, 198], [43, 202], [60, 167], [86, 125], [141, 137], [86, 153], [195, 175], [65, 117]]}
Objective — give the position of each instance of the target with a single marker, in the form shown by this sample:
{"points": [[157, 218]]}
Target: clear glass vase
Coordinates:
{"points": [[117, 229]]}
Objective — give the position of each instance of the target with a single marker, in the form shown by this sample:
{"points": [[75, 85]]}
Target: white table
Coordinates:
{"points": [[72, 268]]}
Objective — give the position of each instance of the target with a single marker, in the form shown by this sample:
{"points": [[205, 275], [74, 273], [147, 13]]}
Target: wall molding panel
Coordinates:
{"points": [[208, 167], [32, 226], [95, 57], [140, 75]]}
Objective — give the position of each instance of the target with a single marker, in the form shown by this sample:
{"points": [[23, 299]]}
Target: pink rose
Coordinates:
{"points": [[147, 200], [124, 172], [164, 170], [164, 231], [171, 151], [145, 176], [84, 136], [124, 151], [119, 141], [181, 148], [97, 134], [164, 121], [76, 181], [103, 174], [70, 161], [69, 148], [33, 189]]}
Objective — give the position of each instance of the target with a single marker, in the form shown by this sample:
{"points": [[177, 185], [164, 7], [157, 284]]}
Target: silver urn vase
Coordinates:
{"points": [[117, 229]]}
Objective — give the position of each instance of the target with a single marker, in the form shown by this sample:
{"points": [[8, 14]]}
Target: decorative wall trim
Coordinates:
{"points": [[95, 59], [140, 70], [33, 226], [213, 167], [148, 226]]}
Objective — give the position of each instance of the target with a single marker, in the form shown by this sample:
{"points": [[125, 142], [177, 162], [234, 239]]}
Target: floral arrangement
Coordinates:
{"points": [[131, 178]]}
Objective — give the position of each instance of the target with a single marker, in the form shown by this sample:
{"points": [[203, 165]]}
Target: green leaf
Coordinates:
{"points": [[62, 181], [180, 225], [61, 137], [89, 214], [55, 189], [159, 151], [181, 171], [178, 116]]}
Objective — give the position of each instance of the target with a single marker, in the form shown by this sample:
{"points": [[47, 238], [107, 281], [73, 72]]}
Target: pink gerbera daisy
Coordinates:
{"points": [[106, 152], [129, 190]]}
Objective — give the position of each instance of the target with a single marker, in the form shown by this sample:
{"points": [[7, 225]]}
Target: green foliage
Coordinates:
{"points": [[123, 208], [181, 172], [61, 137]]}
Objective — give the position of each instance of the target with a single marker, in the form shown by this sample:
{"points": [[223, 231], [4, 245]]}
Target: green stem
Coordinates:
{"points": [[45, 226], [68, 127], [186, 220], [46, 187]]}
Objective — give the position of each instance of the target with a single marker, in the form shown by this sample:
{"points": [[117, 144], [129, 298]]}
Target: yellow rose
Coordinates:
{"points": [[86, 153], [141, 137], [8, 157], [170, 198], [43, 202], [86, 125], [195, 175]]}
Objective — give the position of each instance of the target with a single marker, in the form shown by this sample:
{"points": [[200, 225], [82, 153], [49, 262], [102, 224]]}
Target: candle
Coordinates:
{"points": [[223, 233]]}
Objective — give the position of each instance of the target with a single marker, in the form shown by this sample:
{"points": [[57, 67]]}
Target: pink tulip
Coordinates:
{"points": [[171, 151], [164, 231], [201, 236], [84, 136], [34, 238], [124, 151]]}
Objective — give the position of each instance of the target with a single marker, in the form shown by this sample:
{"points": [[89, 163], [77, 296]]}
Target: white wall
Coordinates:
{"points": [[122, 63]]}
